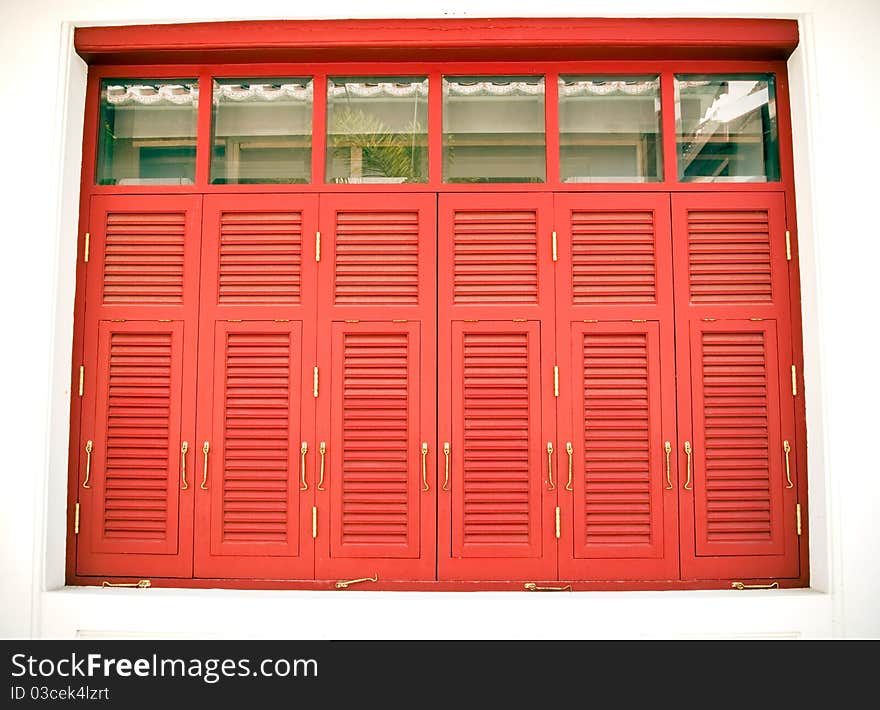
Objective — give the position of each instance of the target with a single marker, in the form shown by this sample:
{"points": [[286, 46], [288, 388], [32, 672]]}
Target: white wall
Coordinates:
{"points": [[835, 115]]}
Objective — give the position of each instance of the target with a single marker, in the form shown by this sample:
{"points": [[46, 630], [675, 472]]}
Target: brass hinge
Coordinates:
{"points": [[558, 526], [76, 520], [86, 249], [741, 586], [314, 521], [793, 381], [555, 254], [556, 380], [82, 375], [315, 387], [787, 245], [798, 513], [317, 246], [140, 584]]}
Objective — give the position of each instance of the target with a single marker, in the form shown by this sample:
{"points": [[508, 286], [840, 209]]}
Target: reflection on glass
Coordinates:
{"points": [[147, 132], [377, 129], [493, 129], [726, 128], [262, 131], [609, 129]]}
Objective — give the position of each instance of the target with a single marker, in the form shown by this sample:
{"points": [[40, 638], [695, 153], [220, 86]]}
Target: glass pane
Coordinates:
{"points": [[493, 129], [262, 131], [377, 129], [726, 128], [147, 132], [609, 129]]}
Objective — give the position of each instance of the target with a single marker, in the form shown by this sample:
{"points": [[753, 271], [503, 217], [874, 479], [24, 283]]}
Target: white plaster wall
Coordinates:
{"points": [[835, 117]]}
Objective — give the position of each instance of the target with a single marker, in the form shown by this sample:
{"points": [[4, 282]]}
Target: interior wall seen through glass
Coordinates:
{"points": [[493, 129], [262, 131], [609, 129], [726, 128], [147, 132], [377, 129]]}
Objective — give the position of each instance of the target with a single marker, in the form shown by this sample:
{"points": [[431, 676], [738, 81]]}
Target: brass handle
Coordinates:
{"points": [[688, 451], [740, 585], [88, 463], [140, 584], [532, 587], [667, 447], [787, 448], [205, 448], [550, 485], [184, 447], [425, 466], [304, 449], [446, 454], [570, 449], [346, 583], [322, 448]]}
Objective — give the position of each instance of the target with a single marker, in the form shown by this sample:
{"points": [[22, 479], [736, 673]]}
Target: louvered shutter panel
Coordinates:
{"points": [[138, 402], [376, 402], [737, 407], [495, 367], [257, 350], [616, 404]]}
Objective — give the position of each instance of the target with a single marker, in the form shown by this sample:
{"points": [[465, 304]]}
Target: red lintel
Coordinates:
{"points": [[527, 39]]}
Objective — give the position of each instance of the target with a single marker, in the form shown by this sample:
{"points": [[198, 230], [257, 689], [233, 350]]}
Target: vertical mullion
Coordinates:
{"points": [[204, 137], [551, 129], [319, 128], [667, 127], [435, 128]]}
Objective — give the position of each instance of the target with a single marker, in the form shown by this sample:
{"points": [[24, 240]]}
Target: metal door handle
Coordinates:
{"points": [[688, 451], [667, 447], [140, 584], [550, 485], [570, 449], [184, 447], [446, 454], [88, 463], [205, 448], [787, 448], [322, 448], [346, 583], [740, 585], [425, 466], [304, 449]]}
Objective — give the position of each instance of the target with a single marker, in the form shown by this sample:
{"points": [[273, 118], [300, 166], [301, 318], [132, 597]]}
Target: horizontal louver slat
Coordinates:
{"points": [[139, 398], [617, 486], [613, 257], [144, 258]]}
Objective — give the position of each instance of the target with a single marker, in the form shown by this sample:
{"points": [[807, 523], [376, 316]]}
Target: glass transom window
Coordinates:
{"points": [[262, 131], [377, 129], [726, 128], [493, 129], [609, 129], [147, 132]]}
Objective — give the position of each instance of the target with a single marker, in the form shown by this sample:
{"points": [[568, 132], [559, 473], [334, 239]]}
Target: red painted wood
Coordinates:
{"points": [[439, 39], [376, 403], [139, 390], [735, 400], [257, 348], [616, 349], [496, 313]]}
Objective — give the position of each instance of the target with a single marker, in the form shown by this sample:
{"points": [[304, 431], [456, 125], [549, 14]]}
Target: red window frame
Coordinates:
{"points": [[664, 47]]}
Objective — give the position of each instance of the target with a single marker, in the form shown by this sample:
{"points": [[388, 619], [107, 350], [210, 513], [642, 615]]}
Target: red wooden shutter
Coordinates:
{"points": [[617, 391], [376, 402], [497, 408], [736, 403], [255, 405], [138, 386]]}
